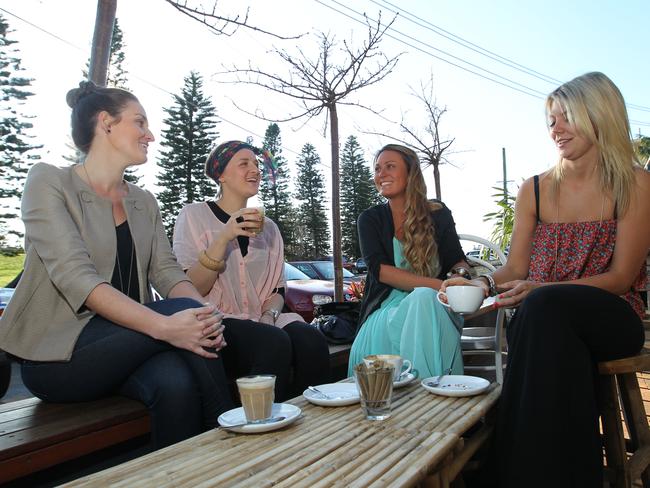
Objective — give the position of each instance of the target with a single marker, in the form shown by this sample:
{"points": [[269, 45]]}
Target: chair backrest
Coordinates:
{"points": [[491, 246]]}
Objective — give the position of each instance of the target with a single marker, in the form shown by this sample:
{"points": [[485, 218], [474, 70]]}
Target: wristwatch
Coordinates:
{"points": [[459, 270], [274, 313]]}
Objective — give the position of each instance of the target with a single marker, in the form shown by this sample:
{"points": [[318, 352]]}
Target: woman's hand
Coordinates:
{"points": [[241, 222], [458, 281], [516, 291], [194, 329]]}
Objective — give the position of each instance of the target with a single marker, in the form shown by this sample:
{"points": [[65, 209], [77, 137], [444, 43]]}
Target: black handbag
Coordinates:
{"points": [[340, 324]]}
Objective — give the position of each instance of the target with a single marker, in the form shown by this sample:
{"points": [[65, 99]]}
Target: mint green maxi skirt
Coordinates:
{"points": [[415, 326]]}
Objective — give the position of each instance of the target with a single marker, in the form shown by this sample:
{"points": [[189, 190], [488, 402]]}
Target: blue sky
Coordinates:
{"points": [[559, 40]]}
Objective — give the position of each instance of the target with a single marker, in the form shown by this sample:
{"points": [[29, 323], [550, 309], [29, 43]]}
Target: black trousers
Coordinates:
{"points": [[547, 427], [297, 354], [184, 392]]}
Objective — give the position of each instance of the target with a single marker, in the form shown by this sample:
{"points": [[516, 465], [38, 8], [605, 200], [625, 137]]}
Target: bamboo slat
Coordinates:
{"points": [[326, 447]]}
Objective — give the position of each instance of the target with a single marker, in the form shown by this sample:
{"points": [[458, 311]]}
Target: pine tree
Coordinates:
{"points": [[311, 194], [275, 194], [16, 152], [357, 194], [186, 141], [115, 78], [116, 75]]}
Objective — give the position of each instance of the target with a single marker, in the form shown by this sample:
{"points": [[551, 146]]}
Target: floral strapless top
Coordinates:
{"points": [[583, 249]]}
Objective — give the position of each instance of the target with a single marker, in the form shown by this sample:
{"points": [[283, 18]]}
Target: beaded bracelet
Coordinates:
{"points": [[212, 264], [491, 283]]}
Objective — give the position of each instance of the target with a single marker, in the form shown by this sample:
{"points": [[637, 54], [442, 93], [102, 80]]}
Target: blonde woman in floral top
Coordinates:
{"points": [[575, 269]]}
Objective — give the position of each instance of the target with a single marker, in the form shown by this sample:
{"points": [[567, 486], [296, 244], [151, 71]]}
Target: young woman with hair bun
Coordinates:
{"points": [[81, 321]]}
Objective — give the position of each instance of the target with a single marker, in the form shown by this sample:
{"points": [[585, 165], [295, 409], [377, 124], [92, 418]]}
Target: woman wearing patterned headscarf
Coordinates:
{"points": [[235, 257]]}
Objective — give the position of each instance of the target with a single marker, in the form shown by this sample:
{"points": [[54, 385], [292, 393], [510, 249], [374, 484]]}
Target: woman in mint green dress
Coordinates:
{"points": [[410, 245]]}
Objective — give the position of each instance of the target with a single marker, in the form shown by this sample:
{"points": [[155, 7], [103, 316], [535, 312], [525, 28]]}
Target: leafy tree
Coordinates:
{"points": [[642, 147], [311, 193], [16, 150], [186, 141], [275, 195], [503, 219], [357, 194]]}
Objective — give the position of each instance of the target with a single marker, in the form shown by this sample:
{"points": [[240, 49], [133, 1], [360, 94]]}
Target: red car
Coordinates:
{"points": [[302, 292]]}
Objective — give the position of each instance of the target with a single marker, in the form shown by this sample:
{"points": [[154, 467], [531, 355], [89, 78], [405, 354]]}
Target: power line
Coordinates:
{"points": [[460, 41], [485, 52], [468, 44], [143, 80], [536, 94]]}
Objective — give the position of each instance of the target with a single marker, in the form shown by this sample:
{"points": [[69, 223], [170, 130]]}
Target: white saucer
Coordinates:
{"points": [[343, 393], [236, 416], [457, 385], [404, 380]]}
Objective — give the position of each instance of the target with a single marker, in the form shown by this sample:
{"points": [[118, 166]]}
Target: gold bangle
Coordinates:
{"points": [[206, 261]]}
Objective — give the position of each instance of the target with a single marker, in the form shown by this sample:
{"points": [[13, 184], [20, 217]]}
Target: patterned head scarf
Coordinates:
{"points": [[223, 153]]}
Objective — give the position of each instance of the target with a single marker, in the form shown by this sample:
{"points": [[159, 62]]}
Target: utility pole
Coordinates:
{"points": [[505, 178], [101, 49]]}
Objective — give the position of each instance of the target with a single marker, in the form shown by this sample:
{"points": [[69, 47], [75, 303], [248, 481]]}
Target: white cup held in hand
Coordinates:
{"points": [[463, 299]]}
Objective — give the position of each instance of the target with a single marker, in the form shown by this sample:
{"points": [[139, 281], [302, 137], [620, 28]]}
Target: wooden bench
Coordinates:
{"points": [[35, 435]]}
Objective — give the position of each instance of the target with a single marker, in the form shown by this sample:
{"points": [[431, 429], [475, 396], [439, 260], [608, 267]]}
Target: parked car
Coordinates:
{"points": [[324, 270], [302, 292], [474, 253], [347, 264], [361, 266]]}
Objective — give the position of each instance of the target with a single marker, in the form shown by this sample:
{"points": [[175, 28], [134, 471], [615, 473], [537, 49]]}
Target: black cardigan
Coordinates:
{"points": [[376, 231]]}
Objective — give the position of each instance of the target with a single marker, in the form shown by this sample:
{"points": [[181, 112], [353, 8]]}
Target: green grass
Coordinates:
{"points": [[10, 267]]}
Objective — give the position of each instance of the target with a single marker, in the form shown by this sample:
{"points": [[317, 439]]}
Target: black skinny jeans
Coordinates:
{"points": [[547, 428], [272, 350], [184, 392]]}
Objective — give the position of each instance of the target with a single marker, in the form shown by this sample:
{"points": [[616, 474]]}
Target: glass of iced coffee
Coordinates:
{"points": [[257, 393]]}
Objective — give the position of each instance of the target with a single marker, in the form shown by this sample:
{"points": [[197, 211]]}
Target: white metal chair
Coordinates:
{"points": [[479, 342]]}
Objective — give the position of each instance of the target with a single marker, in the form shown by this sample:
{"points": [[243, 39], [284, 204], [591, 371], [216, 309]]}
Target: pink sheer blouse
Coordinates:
{"points": [[241, 290]]}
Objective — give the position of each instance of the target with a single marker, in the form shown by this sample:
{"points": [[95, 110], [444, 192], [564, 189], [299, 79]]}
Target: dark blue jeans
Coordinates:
{"points": [[184, 392]]}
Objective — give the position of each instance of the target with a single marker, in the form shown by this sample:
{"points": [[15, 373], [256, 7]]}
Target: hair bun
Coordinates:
{"points": [[76, 94]]}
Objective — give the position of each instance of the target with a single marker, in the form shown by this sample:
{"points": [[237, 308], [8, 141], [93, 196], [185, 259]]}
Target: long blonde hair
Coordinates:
{"points": [[420, 248], [595, 108]]}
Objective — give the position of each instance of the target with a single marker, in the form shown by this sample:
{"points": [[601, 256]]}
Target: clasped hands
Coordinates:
{"points": [[511, 293], [199, 330]]}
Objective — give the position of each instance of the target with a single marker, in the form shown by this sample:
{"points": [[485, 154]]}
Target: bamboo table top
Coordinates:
{"points": [[327, 446]]}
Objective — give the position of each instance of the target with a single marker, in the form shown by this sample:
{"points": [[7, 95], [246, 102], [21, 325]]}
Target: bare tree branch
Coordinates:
{"points": [[321, 83], [430, 148], [219, 24]]}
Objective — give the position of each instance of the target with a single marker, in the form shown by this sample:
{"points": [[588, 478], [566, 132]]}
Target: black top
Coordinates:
{"points": [[224, 217], [376, 231], [125, 274]]}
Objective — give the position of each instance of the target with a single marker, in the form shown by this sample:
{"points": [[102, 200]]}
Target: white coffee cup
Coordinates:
{"points": [[398, 363], [463, 299]]}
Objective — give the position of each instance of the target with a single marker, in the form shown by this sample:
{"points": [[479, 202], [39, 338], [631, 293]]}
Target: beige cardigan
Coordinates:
{"points": [[70, 246]]}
